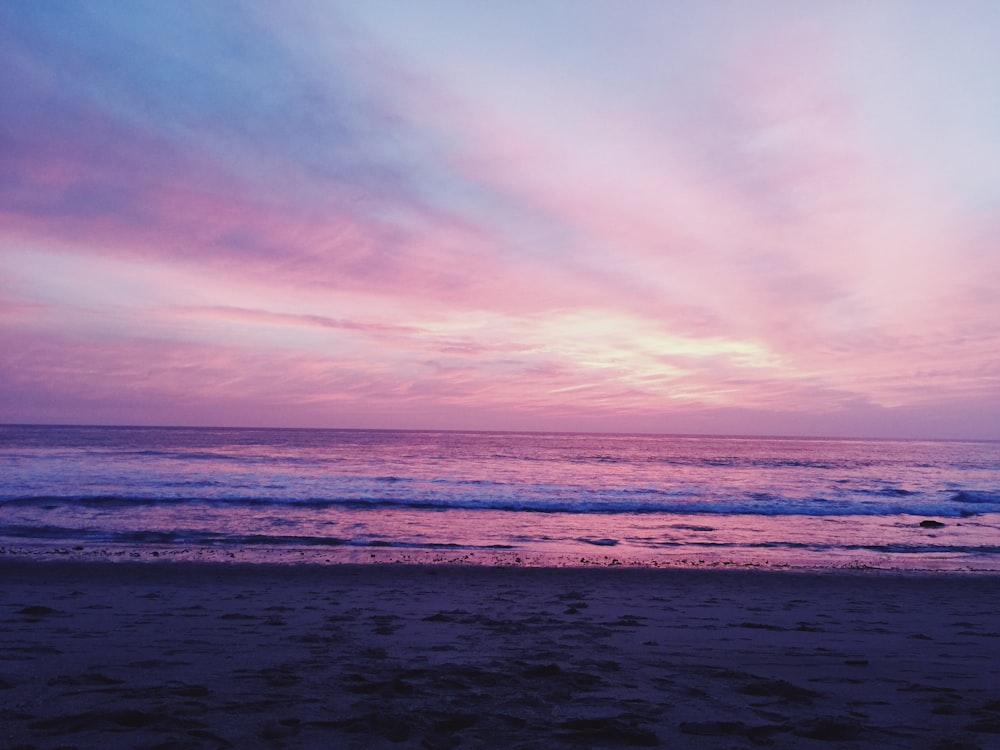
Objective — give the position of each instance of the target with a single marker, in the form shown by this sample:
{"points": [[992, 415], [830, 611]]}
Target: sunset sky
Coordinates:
{"points": [[656, 216]]}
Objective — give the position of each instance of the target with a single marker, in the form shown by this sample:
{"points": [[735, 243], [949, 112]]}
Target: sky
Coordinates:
{"points": [[670, 216]]}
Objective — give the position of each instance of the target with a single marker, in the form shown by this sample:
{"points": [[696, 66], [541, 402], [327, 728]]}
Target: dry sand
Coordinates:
{"points": [[213, 656]]}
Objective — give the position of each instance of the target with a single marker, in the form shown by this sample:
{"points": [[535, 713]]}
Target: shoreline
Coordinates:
{"points": [[318, 556], [179, 568], [206, 655]]}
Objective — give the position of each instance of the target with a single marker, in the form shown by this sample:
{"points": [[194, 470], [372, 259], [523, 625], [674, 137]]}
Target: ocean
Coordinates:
{"points": [[496, 498]]}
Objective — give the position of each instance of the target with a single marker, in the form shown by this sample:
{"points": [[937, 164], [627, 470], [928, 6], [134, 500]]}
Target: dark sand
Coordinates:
{"points": [[212, 656]]}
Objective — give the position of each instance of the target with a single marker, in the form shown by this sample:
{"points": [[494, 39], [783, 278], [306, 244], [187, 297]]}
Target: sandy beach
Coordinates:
{"points": [[182, 655]]}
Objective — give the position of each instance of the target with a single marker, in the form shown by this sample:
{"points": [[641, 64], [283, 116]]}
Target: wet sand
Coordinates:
{"points": [[185, 655]]}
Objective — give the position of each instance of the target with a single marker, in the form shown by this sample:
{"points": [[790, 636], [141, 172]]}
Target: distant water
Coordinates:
{"points": [[497, 498]]}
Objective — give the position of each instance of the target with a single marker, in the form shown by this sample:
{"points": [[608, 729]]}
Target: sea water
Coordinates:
{"points": [[497, 498]]}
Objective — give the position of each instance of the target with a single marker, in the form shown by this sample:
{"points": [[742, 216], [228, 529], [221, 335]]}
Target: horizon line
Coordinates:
{"points": [[727, 436]]}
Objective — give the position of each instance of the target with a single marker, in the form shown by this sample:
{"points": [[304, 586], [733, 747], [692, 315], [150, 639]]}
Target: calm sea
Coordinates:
{"points": [[497, 498]]}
